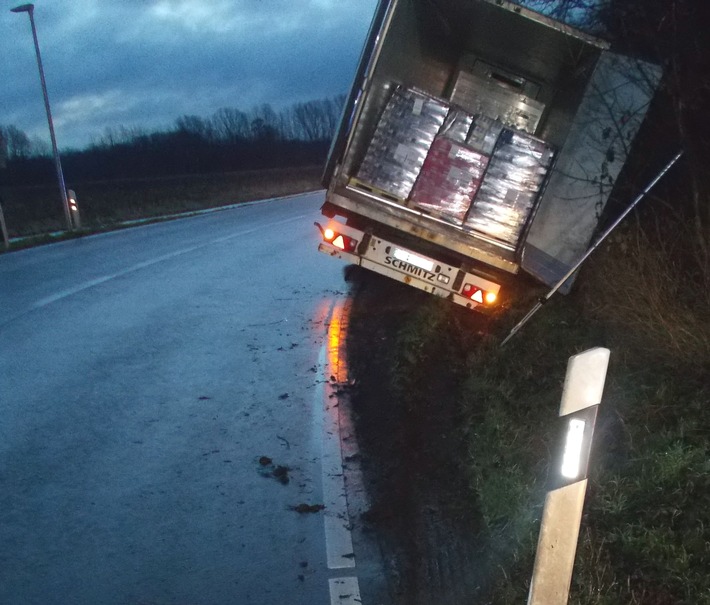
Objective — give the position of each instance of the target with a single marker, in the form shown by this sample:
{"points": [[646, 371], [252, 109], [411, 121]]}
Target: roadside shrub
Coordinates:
{"points": [[651, 284]]}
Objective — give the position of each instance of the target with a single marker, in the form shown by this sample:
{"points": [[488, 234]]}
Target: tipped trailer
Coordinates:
{"points": [[480, 139]]}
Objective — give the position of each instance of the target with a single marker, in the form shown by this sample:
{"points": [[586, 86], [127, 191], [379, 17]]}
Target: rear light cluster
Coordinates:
{"points": [[343, 242], [479, 295]]}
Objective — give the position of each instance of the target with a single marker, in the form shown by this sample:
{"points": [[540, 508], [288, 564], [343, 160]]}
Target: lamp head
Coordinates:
{"points": [[23, 8]]}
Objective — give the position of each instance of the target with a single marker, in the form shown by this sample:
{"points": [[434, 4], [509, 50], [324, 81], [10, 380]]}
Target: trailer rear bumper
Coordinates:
{"points": [[408, 266]]}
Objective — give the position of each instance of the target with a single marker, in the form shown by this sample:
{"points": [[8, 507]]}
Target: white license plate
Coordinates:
{"points": [[418, 261]]}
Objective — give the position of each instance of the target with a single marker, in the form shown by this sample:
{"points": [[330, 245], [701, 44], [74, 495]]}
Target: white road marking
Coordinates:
{"points": [[344, 591], [154, 261], [338, 537]]}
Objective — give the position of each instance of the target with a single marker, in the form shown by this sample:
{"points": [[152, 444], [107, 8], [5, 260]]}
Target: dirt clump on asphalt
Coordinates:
{"points": [[423, 509]]}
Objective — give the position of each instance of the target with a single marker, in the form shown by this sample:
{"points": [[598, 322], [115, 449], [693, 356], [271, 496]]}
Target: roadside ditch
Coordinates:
{"points": [[422, 510]]}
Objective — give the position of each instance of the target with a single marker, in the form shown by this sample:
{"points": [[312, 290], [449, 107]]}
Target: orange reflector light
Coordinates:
{"points": [[340, 241], [477, 295]]}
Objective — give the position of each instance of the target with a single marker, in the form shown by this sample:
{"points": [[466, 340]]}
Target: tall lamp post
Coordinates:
{"points": [[29, 9]]}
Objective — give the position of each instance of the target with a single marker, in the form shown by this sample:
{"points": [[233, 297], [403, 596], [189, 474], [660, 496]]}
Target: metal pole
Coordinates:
{"points": [[589, 252], [29, 9]]}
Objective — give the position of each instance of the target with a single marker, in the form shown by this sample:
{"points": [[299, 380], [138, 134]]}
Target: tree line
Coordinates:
{"points": [[228, 140]]}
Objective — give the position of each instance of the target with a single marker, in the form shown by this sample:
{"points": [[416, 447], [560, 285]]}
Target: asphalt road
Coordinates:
{"points": [[144, 374]]}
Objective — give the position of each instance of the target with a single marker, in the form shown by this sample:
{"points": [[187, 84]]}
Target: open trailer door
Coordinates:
{"points": [[610, 114]]}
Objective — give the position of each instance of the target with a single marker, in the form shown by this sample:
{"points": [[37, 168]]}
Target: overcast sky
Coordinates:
{"points": [[143, 63]]}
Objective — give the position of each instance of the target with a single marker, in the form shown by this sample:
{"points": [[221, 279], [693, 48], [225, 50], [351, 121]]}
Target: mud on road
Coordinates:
{"points": [[423, 510]]}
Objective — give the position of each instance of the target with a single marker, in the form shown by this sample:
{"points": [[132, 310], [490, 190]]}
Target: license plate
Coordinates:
{"points": [[408, 257]]}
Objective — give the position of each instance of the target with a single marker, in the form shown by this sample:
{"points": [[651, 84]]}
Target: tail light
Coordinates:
{"points": [[339, 240], [479, 295]]}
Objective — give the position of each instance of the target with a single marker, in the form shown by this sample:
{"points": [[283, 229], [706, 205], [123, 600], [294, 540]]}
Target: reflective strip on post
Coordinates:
{"points": [[74, 209]]}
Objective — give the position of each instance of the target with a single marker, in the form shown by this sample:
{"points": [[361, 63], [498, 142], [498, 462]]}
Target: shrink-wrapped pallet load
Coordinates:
{"points": [[452, 171], [506, 198], [402, 138]]}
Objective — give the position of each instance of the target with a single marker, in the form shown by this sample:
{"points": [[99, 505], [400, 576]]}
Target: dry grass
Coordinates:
{"points": [[37, 210], [652, 288]]}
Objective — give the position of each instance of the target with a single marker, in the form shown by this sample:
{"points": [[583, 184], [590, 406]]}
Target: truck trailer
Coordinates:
{"points": [[479, 139]]}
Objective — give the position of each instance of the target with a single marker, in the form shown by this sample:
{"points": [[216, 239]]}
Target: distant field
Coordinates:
{"points": [[38, 210]]}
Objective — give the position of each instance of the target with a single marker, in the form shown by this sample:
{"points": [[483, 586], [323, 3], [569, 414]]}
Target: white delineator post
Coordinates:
{"points": [[74, 209], [3, 228], [562, 513]]}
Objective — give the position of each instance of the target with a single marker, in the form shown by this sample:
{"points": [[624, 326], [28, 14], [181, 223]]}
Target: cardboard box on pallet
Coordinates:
{"points": [[452, 172], [515, 175], [402, 138]]}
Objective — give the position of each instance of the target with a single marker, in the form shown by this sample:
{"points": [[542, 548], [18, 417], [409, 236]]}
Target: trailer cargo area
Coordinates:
{"points": [[479, 139]]}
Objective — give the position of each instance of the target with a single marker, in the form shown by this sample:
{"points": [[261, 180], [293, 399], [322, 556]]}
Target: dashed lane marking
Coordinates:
{"points": [[57, 296], [344, 591]]}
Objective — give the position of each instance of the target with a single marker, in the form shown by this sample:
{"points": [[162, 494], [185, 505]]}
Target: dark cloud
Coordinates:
{"points": [[144, 63]]}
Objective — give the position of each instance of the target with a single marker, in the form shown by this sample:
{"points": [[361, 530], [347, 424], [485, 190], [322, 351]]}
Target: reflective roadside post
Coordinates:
{"points": [[3, 228], [562, 513], [74, 209], [29, 9]]}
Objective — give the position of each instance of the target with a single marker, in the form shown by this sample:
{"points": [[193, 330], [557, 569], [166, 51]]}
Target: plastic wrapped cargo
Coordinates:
{"points": [[515, 175], [402, 139], [457, 126], [452, 172], [484, 134]]}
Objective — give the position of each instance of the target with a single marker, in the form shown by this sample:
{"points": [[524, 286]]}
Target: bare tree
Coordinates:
{"points": [[585, 14], [121, 135], [316, 120], [674, 34], [14, 142], [265, 123], [40, 147], [195, 125], [230, 124]]}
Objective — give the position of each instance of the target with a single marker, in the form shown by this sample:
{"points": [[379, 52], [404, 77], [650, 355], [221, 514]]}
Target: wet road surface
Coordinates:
{"points": [[161, 414]]}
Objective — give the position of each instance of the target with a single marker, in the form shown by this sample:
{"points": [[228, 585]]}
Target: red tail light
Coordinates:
{"points": [[479, 295], [345, 243]]}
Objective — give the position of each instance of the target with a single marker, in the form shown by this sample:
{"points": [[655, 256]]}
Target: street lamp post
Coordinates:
{"points": [[29, 9]]}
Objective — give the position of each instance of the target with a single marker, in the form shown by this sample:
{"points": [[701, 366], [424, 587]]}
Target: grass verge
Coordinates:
{"points": [[644, 536], [37, 211]]}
